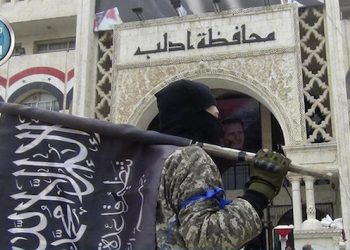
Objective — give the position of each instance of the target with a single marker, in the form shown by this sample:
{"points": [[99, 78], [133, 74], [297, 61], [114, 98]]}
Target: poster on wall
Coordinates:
{"points": [[246, 111]]}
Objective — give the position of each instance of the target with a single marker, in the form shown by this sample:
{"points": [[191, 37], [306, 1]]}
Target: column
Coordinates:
{"points": [[310, 197], [311, 223], [336, 77], [85, 60], [296, 194]]}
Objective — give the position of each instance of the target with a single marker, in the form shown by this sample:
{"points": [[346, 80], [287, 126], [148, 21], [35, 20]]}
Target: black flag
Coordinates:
{"points": [[77, 183]]}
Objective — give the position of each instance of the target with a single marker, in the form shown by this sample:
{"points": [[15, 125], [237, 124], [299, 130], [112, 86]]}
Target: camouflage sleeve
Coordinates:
{"points": [[203, 225]]}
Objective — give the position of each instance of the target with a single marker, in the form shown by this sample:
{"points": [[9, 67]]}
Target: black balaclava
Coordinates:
{"points": [[182, 112]]}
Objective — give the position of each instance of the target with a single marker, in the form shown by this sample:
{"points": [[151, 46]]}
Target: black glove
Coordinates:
{"points": [[267, 171]]}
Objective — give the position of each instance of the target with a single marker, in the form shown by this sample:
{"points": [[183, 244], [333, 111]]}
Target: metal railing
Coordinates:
{"points": [[277, 212]]}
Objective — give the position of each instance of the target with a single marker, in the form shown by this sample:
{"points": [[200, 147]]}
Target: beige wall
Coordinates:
{"points": [[55, 69], [37, 20], [29, 10], [28, 42], [55, 60]]}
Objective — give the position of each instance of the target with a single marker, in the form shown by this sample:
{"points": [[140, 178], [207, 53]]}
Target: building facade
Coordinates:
{"points": [[290, 62], [41, 71]]}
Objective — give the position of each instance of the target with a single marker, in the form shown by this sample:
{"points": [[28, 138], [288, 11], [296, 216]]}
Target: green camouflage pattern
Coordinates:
{"points": [[187, 172]]}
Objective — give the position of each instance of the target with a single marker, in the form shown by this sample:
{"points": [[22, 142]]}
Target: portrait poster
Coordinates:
{"points": [[247, 110]]}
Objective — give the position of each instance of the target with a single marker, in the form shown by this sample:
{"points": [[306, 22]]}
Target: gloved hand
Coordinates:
{"points": [[267, 171]]}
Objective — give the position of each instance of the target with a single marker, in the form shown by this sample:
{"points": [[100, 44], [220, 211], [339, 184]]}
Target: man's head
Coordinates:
{"points": [[233, 133], [188, 109]]}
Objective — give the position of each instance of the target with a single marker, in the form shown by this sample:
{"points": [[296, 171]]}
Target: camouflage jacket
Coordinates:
{"points": [[189, 171]]}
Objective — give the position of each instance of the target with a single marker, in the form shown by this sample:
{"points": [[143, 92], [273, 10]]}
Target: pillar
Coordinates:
{"points": [[310, 197], [85, 60], [311, 223], [340, 123], [296, 195]]}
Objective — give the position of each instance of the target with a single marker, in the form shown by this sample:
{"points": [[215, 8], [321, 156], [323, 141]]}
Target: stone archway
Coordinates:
{"points": [[268, 72], [146, 109]]}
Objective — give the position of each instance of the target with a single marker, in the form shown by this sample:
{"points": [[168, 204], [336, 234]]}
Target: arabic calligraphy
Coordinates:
{"points": [[55, 179], [207, 40], [70, 189], [117, 211]]}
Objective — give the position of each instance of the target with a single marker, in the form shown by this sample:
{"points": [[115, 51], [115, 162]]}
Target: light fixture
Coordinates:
{"points": [[216, 4], [138, 11]]}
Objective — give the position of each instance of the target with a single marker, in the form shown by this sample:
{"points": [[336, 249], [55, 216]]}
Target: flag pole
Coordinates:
{"points": [[133, 133], [234, 154]]}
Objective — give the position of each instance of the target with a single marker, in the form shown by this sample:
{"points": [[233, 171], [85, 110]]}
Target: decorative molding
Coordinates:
{"points": [[292, 177], [269, 78], [320, 233], [321, 157]]}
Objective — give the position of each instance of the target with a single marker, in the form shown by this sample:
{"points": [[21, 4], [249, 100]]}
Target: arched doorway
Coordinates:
{"points": [[258, 123], [253, 116], [234, 98], [144, 113]]}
